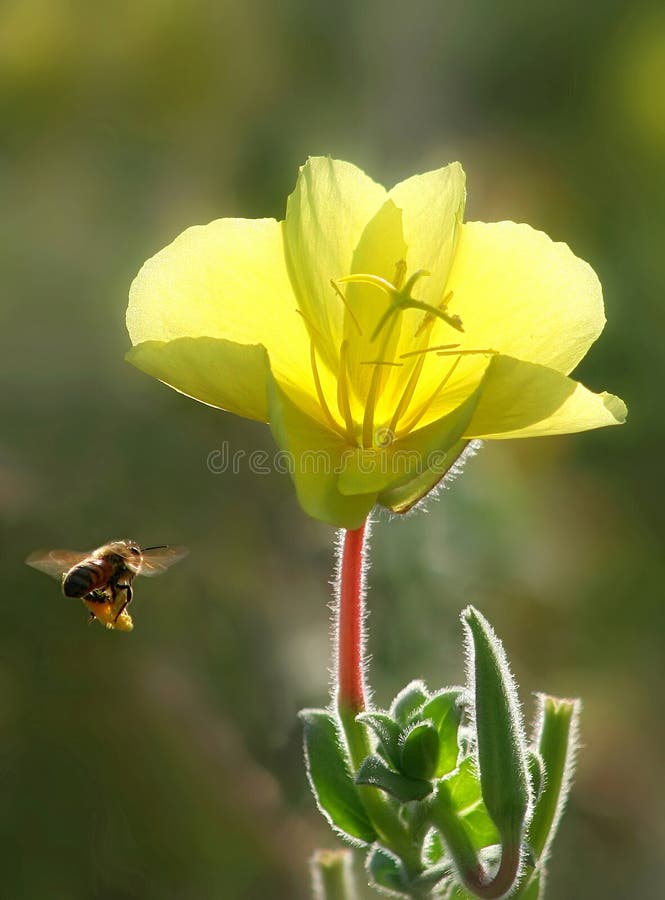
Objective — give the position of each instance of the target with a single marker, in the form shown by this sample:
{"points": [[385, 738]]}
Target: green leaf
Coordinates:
{"points": [[386, 871], [466, 798], [387, 731], [330, 777], [419, 750], [376, 773], [445, 710], [502, 755], [409, 699]]}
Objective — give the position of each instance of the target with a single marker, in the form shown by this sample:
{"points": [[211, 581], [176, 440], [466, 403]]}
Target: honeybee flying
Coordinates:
{"points": [[102, 578]]}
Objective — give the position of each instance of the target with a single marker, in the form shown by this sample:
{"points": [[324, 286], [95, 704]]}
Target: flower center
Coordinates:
{"points": [[353, 414]]}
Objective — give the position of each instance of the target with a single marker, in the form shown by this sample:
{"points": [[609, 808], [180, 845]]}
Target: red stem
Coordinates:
{"points": [[350, 675]]}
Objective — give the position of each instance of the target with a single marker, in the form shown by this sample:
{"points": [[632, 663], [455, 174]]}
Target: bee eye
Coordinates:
{"points": [[135, 550]]}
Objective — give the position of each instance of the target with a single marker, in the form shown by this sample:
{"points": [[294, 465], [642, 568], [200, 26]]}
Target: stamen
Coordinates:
{"points": [[379, 362], [407, 396], [444, 352], [427, 350], [343, 401], [373, 393], [347, 305], [319, 392], [423, 409], [309, 325]]}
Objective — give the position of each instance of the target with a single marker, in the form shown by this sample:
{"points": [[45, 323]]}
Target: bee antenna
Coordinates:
{"points": [[160, 547]]}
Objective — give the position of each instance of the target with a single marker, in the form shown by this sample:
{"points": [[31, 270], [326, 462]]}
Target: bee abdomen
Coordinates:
{"points": [[81, 580]]}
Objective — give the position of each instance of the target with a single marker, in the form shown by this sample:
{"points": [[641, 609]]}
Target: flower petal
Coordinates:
{"points": [[524, 295], [220, 373], [314, 458], [522, 399], [224, 280], [432, 209], [325, 217]]}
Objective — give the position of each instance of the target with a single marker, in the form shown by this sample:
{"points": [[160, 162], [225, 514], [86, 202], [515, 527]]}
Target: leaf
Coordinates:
{"points": [[419, 751], [445, 711], [466, 798], [408, 701], [374, 772], [330, 777], [386, 871], [387, 731]]}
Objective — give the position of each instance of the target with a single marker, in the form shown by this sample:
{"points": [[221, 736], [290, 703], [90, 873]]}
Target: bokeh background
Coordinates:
{"points": [[167, 764]]}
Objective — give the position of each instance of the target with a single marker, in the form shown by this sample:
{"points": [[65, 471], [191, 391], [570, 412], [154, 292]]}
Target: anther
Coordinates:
{"points": [[427, 350]]}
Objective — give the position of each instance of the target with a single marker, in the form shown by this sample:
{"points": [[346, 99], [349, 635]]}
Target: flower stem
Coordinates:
{"points": [[350, 675], [349, 696]]}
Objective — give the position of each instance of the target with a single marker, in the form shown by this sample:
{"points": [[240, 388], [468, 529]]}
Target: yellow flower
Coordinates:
{"points": [[374, 331]]}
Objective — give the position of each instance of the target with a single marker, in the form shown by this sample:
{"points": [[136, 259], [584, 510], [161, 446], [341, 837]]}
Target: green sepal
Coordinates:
{"points": [[330, 777], [386, 871], [387, 731], [502, 754], [556, 742], [408, 701], [419, 750], [536, 773], [375, 772], [445, 710], [404, 497]]}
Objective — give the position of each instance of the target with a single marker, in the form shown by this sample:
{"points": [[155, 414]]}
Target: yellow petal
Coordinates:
{"points": [[432, 208], [379, 248], [522, 399], [325, 217], [220, 373], [226, 280], [314, 456], [524, 295]]}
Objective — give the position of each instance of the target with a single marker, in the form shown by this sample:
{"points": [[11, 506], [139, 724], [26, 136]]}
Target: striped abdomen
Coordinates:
{"points": [[87, 576]]}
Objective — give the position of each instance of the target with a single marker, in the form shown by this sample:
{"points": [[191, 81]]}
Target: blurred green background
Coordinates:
{"points": [[167, 764]]}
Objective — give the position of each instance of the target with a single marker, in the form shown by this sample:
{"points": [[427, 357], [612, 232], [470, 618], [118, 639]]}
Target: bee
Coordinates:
{"points": [[102, 578]]}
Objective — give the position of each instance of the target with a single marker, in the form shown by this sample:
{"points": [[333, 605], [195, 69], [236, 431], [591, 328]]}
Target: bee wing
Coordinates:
{"points": [[157, 561], [55, 562]]}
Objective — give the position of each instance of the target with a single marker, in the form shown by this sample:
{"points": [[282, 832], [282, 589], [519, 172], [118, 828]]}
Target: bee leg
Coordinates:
{"points": [[127, 588], [91, 618]]}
